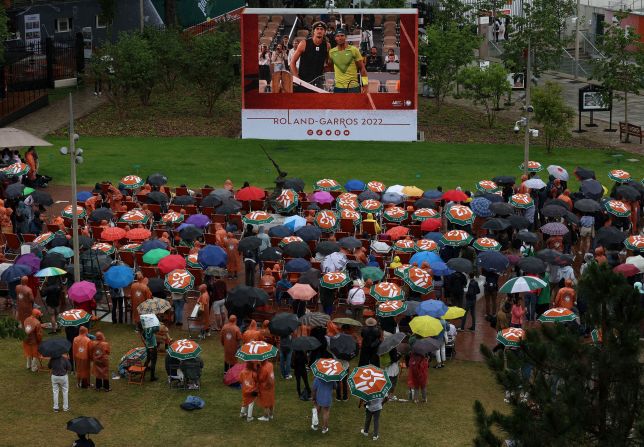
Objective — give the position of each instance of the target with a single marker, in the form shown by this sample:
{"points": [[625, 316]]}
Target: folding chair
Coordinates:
{"points": [[12, 243], [135, 371], [28, 237]]}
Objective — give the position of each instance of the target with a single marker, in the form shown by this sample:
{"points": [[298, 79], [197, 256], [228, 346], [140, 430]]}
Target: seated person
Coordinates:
{"points": [[172, 368], [191, 369], [267, 282], [373, 61], [163, 338], [391, 58]]}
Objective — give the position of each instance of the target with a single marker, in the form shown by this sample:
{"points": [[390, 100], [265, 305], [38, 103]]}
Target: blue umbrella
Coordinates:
{"points": [[212, 256], [152, 244], [83, 196], [433, 308], [434, 236], [433, 194], [294, 222], [355, 185], [64, 251], [297, 265], [392, 197], [280, 231], [492, 260], [15, 272], [439, 268], [119, 276], [309, 233], [481, 207]]}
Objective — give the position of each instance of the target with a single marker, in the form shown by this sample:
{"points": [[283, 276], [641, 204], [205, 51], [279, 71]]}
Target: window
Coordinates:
{"points": [[100, 22], [63, 25]]}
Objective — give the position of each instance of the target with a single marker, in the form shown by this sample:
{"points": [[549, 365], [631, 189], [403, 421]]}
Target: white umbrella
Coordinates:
{"points": [[397, 189], [637, 261], [558, 172], [534, 183], [12, 137], [334, 262], [522, 284], [380, 247]]}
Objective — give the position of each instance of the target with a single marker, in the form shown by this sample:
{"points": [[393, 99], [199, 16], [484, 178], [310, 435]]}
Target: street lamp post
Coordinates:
{"points": [[528, 108]]}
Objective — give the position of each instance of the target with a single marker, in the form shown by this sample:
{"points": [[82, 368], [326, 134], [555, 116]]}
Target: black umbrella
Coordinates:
{"points": [[53, 260], [300, 265], [249, 243], [296, 184], [101, 214], [246, 296], [271, 254], [228, 206], [190, 233], [424, 202], [54, 347], [592, 189], [368, 195], [526, 236], [344, 346], [502, 209], [14, 190], [553, 211], [157, 197], [494, 198], [427, 345], [305, 343], [412, 306], [460, 265], [626, 192], [635, 184], [587, 206], [183, 200], [391, 342], [504, 180], [565, 259], [210, 202], [280, 231], [571, 218], [60, 240], [297, 250], [350, 243], [283, 324], [157, 287], [493, 261], [518, 222], [309, 233], [584, 174], [157, 179], [42, 198], [84, 425], [222, 193], [85, 242], [532, 264], [496, 224], [327, 247], [556, 202], [609, 236], [548, 255], [311, 277]]}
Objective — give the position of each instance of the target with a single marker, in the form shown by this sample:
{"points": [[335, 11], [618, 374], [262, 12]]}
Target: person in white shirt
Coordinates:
{"points": [[356, 299]]}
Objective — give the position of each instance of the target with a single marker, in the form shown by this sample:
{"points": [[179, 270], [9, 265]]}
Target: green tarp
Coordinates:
{"points": [[192, 12]]}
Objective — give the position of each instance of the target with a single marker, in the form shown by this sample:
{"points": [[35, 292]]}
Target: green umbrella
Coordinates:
{"points": [[184, 349], [50, 271], [130, 247], [511, 336], [155, 255], [179, 281], [257, 218], [135, 216], [329, 370], [522, 284], [334, 280], [44, 238], [66, 252], [256, 350], [372, 273], [74, 317], [391, 308], [369, 382], [131, 182], [557, 315], [385, 291], [80, 212]]}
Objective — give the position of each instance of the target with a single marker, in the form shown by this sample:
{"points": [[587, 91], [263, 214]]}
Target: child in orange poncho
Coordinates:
{"points": [[248, 381]]}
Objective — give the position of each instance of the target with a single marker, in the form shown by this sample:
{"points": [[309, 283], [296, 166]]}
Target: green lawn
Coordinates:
{"points": [[200, 160], [150, 415]]}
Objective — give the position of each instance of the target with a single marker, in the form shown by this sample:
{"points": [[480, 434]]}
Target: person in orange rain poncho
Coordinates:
{"points": [[252, 333], [234, 259], [204, 311], [566, 296], [266, 333], [82, 360], [266, 389], [230, 337], [33, 330], [220, 235], [5, 218], [249, 386], [100, 355], [139, 292], [25, 300]]}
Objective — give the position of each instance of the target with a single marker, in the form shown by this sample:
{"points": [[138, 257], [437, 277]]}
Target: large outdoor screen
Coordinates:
{"points": [[347, 74]]}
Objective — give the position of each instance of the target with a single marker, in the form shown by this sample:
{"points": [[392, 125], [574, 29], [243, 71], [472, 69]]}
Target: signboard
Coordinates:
{"points": [[306, 101], [592, 99], [87, 42], [32, 31], [517, 81]]}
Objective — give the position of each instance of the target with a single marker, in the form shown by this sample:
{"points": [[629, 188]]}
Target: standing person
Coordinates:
{"points": [[490, 288], [300, 361], [118, 297], [139, 292], [24, 300], [285, 356], [372, 411], [347, 62], [280, 82], [100, 354], [150, 340], [178, 303], [31, 158], [204, 312], [71, 332], [312, 55], [250, 264], [249, 386], [60, 367], [266, 389], [327, 297], [82, 359], [473, 290], [234, 260], [230, 337], [517, 313], [356, 299], [252, 333], [417, 377], [371, 337], [566, 296], [393, 371], [264, 59], [217, 290], [33, 331], [322, 397]]}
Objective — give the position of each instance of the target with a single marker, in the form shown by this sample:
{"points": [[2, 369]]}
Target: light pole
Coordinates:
{"points": [[528, 109], [577, 38]]}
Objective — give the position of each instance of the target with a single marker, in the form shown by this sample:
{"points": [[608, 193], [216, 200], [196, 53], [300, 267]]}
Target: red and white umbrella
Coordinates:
{"points": [[533, 166], [370, 206], [395, 214], [391, 308], [327, 184], [511, 336], [131, 182], [405, 245], [327, 221], [103, 247], [287, 201], [334, 280], [184, 349], [423, 214], [289, 240], [456, 238], [619, 176], [557, 315], [351, 215], [635, 242], [426, 245], [347, 203], [257, 218], [617, 208], [486, 244], [460, 215], [384, 291], [487, 186], [256, 350], [419, 280], [375, 186], [172, 217], [521, 201]]}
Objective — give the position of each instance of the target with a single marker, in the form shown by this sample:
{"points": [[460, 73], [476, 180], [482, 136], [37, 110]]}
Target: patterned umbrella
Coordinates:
{"points": [[256, 350], [391, 308], [557, 315], [286, 202], [192, 261], [385, 291], [131, 182], [419, 280], [138, 353], [44, 238], [370, 206], [456, 238], [481, 207], [130, 247], [405, 246], [486, 244], [511, 336], [554, 229], [401, 271], [460, 215], [334, 280], [289, 240], [315, 319], [257, 218], [521, 201], [179, 280], [138, 234], [154, 306], [135, 216], [426, 245], [376, 186], [172, 217], [80, 212], [347, 200], [423, 214], [351, 215], [327, 184], [617, 208], [426, 326], [635, 242], [619, 176], [327, 221], [395, 214], [522, 284], [329, 370], [103, 247], [487, 186], [184, 349], [15, 170], [596, 336], [369, 382], [533, 166], [74, 317]]}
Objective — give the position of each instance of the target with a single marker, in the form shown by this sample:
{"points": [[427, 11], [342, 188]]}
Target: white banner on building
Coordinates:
{"points": [[32, 31]]}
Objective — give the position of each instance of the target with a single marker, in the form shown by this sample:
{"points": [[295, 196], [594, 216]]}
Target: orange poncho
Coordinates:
{"points": [[252, 333], [266, 379], [248, 381], [204, 302], [100, 354], [230, 336], [234, 259], [25, 299], [139, 292], [33, 329], [82, 346]]}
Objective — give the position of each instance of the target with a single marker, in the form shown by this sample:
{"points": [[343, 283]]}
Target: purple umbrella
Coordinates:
{"points": [[198, 220], [322, 197], [554, 229], [30, 260], [82, 291]]}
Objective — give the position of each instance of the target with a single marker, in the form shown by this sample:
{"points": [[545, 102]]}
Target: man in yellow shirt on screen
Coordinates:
{"points": [[347, 61]]}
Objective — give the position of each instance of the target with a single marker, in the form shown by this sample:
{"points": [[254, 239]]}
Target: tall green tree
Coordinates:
{"points": [[4, 31], [169, 46], [552, 112], [485, 87], [621, 69], [564, 390]]}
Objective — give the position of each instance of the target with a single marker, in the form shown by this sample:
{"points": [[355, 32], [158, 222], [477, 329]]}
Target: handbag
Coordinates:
{"points": [[195, 311]]}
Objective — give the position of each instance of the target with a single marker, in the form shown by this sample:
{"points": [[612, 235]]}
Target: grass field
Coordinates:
{"points": [[136, 416], [200, 160]]}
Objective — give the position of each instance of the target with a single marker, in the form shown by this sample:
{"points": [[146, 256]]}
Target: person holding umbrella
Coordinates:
{"points": [[417, 374], [33, 331], [371, 337], [82, 359], [52, 293], [204, 311], [100, 354]]}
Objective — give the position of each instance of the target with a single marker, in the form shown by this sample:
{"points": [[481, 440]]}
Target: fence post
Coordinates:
{"points": [[49, 53], [3, 86], [80, 53]]}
